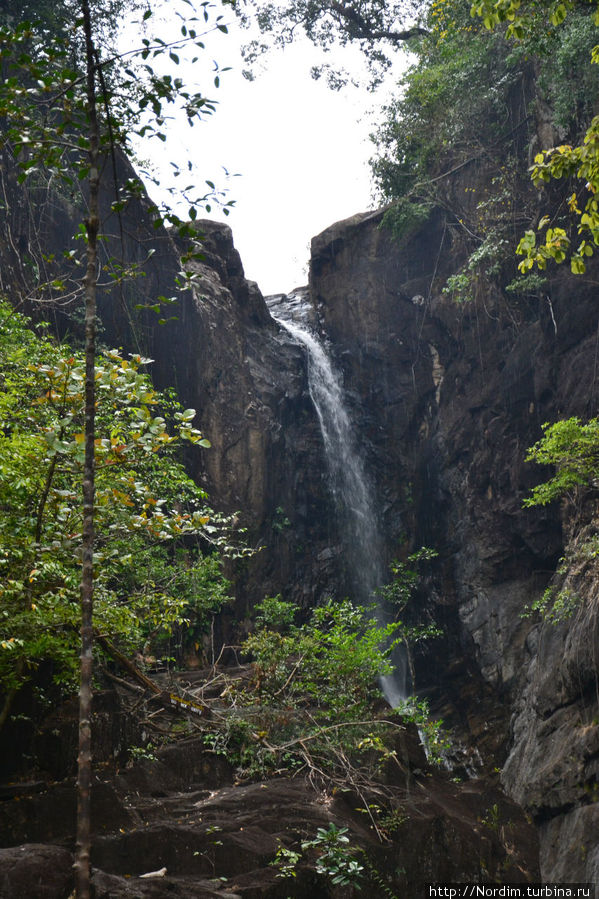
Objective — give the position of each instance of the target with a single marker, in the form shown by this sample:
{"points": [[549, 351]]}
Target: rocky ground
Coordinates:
{"points": [[186, 816]]}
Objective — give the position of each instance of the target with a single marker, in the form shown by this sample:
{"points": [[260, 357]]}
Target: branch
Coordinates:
{"points": [[168, 700], [323, 730], [364, 30]]}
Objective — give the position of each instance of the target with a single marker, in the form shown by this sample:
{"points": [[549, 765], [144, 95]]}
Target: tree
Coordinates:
{"points": [[92, 228], [572, 447], [66, 110], [373, 26], [152, 568], [334, 659], [432, 127], [157, 541]]}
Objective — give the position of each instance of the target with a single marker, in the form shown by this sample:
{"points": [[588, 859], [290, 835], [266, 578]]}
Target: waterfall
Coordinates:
{"points": [[350, 488]]}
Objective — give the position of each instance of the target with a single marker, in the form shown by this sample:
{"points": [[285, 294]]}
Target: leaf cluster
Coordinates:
{"points": [[311, 696], [434, 121], [567, 27], [156, 534], [572, 447], [332, 662], [336, 858], [464, 75], [376, 28], [397, 596], [43, 100], [310, 705]]}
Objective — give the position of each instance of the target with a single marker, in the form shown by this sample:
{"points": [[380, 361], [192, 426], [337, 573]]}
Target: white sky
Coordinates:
{"points": [[301, 152]]}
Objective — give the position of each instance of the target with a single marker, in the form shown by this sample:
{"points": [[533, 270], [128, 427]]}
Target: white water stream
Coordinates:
{"points": [[350, 488]]}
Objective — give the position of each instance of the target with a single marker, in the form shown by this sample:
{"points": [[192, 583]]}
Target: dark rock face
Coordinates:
{"points": [[553, 765], [247, 380], [447, 400]]}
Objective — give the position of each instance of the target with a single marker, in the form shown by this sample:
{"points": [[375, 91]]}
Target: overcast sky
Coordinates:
{"points": [[300, 150]]}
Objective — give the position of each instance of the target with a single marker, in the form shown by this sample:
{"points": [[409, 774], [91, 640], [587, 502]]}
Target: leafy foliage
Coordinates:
{"points": [[435, 738], [156, 535], [155, 531], [406, 578], [569, 83], [285, 861], [451, 118], [566, 593], [311, 700], [332, 661], [397, 601], [434, 122], [567, 161], [573, 448], [68, 101], [336, 858], [464, 75], [311, 691], [44, 131], [522, 18], [555, 605]]}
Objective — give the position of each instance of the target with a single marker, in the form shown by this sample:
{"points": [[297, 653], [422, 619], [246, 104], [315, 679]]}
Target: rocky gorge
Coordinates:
{"points": [[444, 400]]}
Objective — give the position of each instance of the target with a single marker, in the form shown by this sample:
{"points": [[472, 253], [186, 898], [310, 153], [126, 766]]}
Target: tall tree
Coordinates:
{"points": [[70, 109], [92, 227]]}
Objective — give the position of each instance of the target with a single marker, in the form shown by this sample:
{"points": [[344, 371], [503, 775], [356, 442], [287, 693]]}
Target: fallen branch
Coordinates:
{"points": [[122, 682], [168, 700]]}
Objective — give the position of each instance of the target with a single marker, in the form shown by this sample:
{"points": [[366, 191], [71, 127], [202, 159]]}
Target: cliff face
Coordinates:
{"points": [[447, 400], [217, 345], [247, 380]]}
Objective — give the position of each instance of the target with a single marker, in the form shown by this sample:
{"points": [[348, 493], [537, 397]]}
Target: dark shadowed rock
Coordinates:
{"points": [[203, 834], [447, 399], [35, 871]]}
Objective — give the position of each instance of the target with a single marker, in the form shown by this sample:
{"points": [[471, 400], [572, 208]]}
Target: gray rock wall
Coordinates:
{"points": [[448, 399]]}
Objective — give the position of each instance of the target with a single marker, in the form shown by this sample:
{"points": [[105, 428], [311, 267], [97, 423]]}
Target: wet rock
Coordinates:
{"points": [[110, 886], [49, 816]]}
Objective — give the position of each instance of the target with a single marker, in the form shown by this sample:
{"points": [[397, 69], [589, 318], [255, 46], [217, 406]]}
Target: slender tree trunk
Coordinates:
{"points": [[82, 864]]}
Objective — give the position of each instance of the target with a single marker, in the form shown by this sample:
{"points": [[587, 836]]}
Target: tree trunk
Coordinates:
{"points": [[82, 864]]}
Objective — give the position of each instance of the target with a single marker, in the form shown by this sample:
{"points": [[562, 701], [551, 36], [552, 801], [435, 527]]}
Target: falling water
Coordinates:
{"points": [[350, 488]]}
